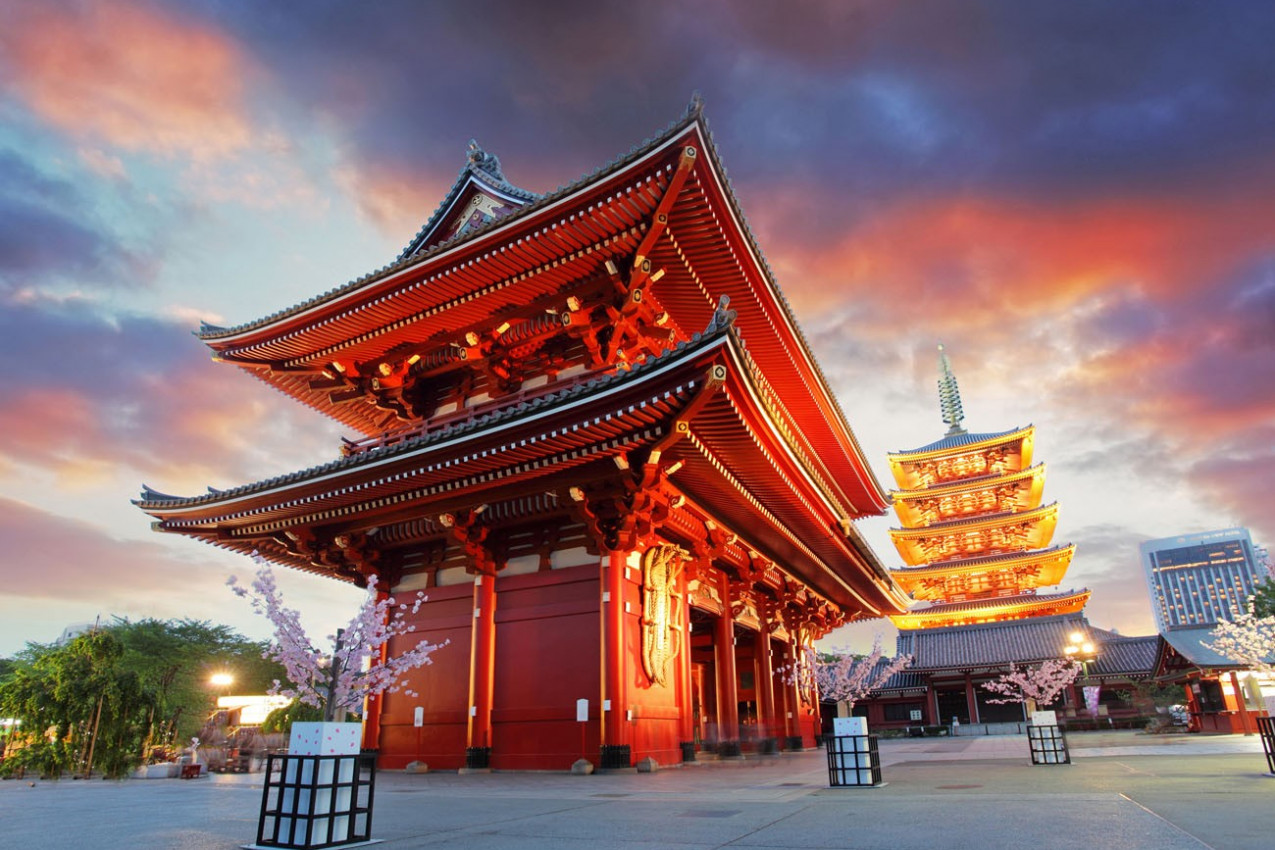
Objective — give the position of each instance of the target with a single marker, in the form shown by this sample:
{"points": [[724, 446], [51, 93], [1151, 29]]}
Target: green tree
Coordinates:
{"points": [[78, 708], [176, 658], [1263, 598]]}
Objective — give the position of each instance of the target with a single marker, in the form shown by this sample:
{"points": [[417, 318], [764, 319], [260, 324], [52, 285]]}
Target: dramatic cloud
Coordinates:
{"points": [[1076, 198], [129, 75], [98, 396]]}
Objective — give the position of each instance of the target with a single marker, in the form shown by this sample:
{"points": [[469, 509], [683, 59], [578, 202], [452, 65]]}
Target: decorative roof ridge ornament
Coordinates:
{"points": [[480, 160], [695, 108], [949, 396], [723, 317]]}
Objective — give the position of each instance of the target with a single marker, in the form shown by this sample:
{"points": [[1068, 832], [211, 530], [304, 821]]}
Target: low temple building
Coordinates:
{"points": [[591, 431]]}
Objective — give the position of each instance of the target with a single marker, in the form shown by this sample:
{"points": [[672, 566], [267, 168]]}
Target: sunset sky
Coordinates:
{"points": [[1076, 198]]}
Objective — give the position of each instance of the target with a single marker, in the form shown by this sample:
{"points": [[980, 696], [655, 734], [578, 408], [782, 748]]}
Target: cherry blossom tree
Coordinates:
{"points": [[353, 671], [1248, 640], [1034, 685], [841, 676]]}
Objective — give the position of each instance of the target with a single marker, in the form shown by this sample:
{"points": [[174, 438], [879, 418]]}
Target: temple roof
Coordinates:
{"points": [[963, 485], [153, 499], [956, 526], [738, 469], [1058, 557], [704, 251], [480, 176], [963, 440], [1019, 606], [1025, 642], [1189, 645]]}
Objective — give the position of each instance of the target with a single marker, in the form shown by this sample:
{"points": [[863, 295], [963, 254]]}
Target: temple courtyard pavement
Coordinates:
{"points": [[1123, 790]]}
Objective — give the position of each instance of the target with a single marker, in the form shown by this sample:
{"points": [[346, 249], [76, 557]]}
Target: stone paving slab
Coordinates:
{"points": [[1132, 793]]}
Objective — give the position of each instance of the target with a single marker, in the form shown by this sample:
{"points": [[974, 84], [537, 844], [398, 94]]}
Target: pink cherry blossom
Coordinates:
{"points": [[1248, 640], [360, 672], [1040, 684], [846, 677]]}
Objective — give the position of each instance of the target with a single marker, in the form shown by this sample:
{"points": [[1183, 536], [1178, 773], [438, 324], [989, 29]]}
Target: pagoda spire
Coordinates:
{"points": [[949, 396]]}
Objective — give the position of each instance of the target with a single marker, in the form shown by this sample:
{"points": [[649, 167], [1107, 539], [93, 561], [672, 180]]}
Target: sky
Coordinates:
{"points": [[1077, 199]]}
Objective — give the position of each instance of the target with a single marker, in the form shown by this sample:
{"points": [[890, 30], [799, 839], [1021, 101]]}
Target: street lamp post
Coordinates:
{"points": [[1082, 650]]}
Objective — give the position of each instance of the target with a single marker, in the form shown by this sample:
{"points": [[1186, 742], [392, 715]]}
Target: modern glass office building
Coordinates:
{"points": [[1201, 579]]}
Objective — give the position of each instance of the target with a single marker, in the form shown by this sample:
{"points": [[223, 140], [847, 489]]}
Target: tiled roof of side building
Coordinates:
{"points": [[989, 644], [1125, 656], [1191, 644]]}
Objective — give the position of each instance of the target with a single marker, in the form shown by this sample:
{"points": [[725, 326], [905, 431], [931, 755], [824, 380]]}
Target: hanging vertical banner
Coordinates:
{"points": [[1091, 699]]}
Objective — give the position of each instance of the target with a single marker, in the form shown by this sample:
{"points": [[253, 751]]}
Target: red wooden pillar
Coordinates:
{"points": [[685, 697], [971, 701], [724, 662], [765, 686], [374, 704], [792, 696], [482, 670], [1242, 705], [614, 728]]}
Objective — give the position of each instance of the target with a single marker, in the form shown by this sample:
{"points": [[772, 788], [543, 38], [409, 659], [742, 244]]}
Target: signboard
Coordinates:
{"points": [[842, 726], [418, 718], [582, 710], [916, 715], [1044, 718]]}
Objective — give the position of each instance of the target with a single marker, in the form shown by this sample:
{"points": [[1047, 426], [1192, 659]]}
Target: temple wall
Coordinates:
{"points": [[547, 626], [443, 686]]}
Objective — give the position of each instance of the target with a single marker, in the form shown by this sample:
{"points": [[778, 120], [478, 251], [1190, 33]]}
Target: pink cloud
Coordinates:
{"points": [[394, 199], [131, 76], [58, 558]]}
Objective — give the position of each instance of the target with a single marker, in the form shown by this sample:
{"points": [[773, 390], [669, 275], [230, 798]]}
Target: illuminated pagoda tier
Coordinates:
{"points": [[593, 434], [975, 536]]}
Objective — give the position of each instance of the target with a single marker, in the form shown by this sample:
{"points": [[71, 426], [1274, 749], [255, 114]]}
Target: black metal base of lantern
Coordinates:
{"points": [[729, 749], [1266, 729], [688, 751], [478, 758], [316, 801], [1048, 745], [853, 761], [793, 742], [767, 746], [616, 757]]}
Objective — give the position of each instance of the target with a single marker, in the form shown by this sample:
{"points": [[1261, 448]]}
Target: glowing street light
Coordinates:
{"points": [[221, 680], [1081, 650]]}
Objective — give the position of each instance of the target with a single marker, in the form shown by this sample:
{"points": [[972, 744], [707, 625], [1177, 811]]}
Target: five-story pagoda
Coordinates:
{"points": [[975, 536]]}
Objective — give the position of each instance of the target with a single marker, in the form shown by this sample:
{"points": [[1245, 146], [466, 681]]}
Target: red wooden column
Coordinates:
{"points": [[792, 696], [614, 726], [1241, 704], [374, 704], [685, 696], [971, 701], [765, 690], [724, 662], [482, 672]]}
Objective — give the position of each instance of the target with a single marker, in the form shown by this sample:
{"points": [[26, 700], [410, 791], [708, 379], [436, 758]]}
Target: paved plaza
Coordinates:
{"points": [[1124, 790]]}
